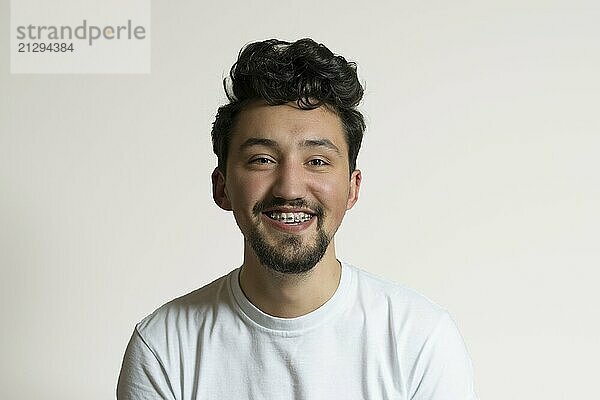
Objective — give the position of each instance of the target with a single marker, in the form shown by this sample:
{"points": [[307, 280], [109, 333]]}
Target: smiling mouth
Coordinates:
{"points": [[289, 218]]}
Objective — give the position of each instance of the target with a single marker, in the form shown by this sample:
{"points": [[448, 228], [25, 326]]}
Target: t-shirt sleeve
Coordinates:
{"points": [[443, 369], [142, 375]]}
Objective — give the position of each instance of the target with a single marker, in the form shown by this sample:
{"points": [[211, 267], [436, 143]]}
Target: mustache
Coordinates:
{"points": [[262, 205]]}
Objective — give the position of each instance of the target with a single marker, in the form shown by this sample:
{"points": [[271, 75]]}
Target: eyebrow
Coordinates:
{"points": [[321, 143], [305, 143], [258, 142]]}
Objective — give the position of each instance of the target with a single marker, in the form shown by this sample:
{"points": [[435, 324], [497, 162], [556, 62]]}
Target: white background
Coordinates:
{"points": [[480, 184]]}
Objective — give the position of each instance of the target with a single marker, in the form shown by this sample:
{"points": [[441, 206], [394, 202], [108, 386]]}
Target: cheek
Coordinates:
{"points": [[333, 195], [243, 196]]}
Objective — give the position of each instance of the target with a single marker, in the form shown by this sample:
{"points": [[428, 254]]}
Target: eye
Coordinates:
{"points": [[261, 160], [317, 162]]}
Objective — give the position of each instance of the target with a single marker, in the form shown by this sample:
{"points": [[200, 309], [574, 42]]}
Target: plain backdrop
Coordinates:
{"points": [[480, 184]]}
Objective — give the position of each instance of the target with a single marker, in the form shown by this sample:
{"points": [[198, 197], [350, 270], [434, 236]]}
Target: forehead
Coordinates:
{"points": [[287, 125]]}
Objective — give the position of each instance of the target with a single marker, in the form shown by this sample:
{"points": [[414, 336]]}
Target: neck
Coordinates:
{"points": [[290, 295]]}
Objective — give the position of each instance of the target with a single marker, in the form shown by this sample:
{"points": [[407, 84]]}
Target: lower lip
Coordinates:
{"points": [[289, 228]]}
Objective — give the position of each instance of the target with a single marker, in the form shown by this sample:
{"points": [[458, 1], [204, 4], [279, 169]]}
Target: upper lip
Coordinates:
{"points": [[289, 210]]}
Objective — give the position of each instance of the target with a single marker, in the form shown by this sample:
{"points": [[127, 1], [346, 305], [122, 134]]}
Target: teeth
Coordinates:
{"points": [[290, 218]]}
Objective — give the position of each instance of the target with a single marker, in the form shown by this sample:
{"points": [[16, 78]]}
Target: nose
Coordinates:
{"points": [[289, 183]]}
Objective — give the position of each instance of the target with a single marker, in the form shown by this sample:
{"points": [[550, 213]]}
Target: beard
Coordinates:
{"points": [[289, 255]]}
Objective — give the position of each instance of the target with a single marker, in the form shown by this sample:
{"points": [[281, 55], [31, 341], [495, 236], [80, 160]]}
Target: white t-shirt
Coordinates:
{"points": [[373, 339]]}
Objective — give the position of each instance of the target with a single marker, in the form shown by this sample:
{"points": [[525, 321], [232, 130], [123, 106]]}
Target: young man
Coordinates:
{"points": [[293, 322]]}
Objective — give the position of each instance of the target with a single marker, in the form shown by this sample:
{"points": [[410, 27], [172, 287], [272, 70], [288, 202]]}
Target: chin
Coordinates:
{"points": [[303, 259]]}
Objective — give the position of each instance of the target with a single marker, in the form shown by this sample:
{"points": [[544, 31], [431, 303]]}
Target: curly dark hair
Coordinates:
{"points": [[279, 72]]}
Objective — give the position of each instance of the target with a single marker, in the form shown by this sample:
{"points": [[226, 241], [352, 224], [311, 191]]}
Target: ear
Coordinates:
{"points": [[218, 189], [355, 180]]}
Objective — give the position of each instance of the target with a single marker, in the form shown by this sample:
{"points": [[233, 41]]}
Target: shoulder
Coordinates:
{"points": [[405, 306], [187, 312], [381, 288], [425, 335]]}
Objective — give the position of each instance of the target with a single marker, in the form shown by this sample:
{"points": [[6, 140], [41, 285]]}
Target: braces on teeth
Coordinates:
{"points": [[290, 218]]}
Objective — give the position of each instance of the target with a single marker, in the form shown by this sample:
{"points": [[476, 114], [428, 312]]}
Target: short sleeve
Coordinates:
{"points": [[142, 376], [443, 369]]}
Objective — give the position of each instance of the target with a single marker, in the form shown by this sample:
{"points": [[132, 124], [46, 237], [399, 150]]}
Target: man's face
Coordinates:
{"points": [[287, 183]]}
